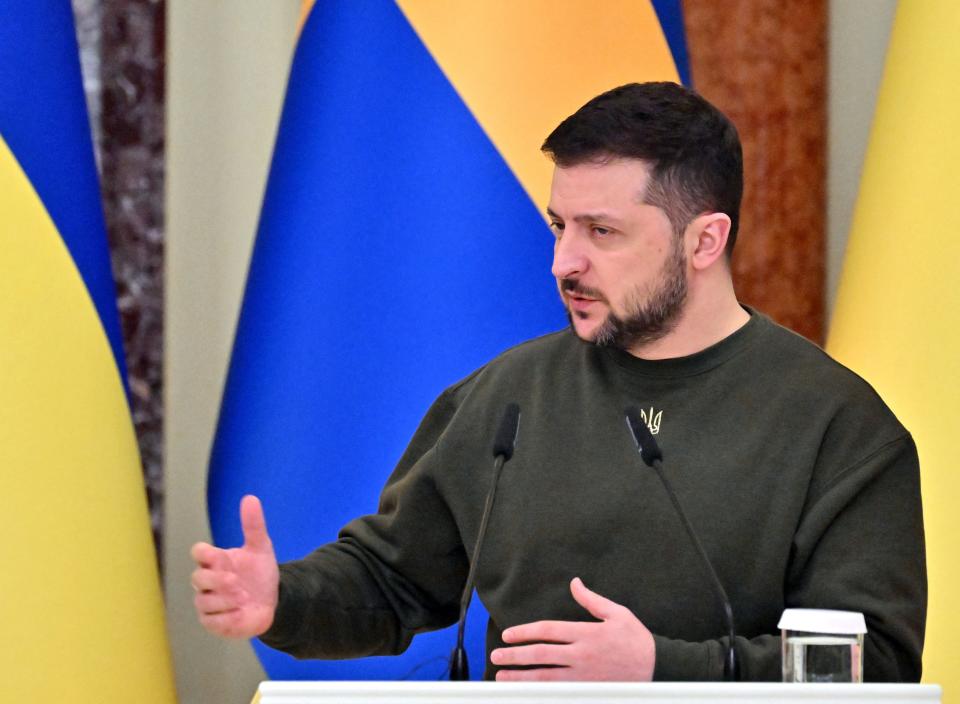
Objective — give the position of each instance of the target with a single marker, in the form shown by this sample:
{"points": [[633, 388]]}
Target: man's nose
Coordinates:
{"points": [[569, 258]]}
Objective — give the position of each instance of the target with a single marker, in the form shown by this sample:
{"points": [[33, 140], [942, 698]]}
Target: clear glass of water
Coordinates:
{"points": [[822, 657], [822, 646]]}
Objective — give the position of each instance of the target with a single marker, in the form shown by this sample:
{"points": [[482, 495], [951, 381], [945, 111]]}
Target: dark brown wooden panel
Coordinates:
{"points": [[763, 62]]}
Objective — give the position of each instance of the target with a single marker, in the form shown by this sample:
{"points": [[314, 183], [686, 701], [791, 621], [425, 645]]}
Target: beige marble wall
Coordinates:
{"points": [[227, 64]]}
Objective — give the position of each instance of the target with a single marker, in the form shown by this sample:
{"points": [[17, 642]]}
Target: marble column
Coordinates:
{"points": [[122, 55]]}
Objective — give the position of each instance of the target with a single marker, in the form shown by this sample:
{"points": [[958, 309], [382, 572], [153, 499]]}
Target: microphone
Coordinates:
{"points": [[504, 443], [652, 456]]}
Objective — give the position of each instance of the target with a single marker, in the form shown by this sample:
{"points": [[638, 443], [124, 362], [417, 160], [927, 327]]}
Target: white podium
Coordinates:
{"points": [[593, 692]]}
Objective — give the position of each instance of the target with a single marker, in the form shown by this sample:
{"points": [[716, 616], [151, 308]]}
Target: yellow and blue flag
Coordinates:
{"points": [[895, 319], [402, 244], [80, 598]]}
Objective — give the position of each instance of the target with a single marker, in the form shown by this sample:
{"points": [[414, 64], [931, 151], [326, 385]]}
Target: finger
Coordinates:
{"points": [[552, 631], [545, 674], [537, 654], [254, 525], [208, 603], [204, 580], [599, 606], [206, 555]]}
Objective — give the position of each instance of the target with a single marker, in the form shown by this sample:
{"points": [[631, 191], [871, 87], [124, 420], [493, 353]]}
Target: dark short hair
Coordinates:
{"points": [[692, 148]]}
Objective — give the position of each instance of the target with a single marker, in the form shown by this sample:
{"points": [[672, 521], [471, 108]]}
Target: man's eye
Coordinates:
{"points": [[557, 227], [602, 231]]}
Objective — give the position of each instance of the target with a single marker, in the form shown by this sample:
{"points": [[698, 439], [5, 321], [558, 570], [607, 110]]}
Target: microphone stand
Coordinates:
{"points": [[503, 446], [459, 669], [653, 457]]}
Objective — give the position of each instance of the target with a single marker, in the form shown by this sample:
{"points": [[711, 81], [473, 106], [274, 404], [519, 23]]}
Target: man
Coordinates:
{"points": [[802, 485]]}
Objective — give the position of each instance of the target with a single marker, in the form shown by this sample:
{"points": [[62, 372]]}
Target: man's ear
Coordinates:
{"points": [[707, 234]]}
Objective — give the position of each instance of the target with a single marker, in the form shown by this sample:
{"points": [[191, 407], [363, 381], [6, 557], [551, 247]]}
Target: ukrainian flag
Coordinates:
{"points": [[80, 598], [402, 244], [895, 319]]}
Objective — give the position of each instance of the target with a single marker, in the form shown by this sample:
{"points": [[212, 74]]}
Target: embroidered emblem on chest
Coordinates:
{"points": [[652, 419]]}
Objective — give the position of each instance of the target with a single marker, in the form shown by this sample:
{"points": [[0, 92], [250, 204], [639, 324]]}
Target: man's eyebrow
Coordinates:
{"points": [[587, 217]]}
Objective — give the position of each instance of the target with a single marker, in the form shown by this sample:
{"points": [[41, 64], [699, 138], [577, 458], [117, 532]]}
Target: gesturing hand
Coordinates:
{"points": [[619, 648], [237, 588]]}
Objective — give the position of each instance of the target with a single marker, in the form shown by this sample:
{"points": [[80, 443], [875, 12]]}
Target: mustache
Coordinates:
{"points": [[573, 287]]}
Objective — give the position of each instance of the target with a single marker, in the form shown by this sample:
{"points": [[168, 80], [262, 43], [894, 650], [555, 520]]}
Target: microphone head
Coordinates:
{"points": [[649, 450], [506, 438]]}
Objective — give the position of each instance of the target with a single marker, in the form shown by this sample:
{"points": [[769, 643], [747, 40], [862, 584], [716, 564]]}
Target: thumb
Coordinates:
{"points": [[599, 607], [254, 525]]}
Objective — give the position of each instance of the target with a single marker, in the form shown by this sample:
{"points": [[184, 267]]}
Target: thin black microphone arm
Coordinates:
{"points": [[653, 457], [503, 445]]}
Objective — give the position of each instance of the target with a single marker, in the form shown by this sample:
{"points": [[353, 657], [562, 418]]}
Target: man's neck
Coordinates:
{"points": [[704, 321]]}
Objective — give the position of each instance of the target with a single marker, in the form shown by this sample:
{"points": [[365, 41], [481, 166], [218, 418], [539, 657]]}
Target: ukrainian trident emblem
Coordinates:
{"points": [[652, 419]]}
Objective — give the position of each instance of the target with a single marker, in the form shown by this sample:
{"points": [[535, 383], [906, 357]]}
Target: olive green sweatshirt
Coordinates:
{"points": [[802, 485]]}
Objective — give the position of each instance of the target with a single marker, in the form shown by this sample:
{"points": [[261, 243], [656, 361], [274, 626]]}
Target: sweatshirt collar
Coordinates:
{"points": [[697, 363]]}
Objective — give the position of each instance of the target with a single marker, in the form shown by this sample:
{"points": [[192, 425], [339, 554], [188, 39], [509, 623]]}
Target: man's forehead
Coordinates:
{"points": [[607, 162], [591, 188], [632, 174]]}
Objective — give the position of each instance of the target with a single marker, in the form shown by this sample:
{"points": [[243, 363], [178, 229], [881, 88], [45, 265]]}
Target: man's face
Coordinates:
{"points": [[619, 266]]}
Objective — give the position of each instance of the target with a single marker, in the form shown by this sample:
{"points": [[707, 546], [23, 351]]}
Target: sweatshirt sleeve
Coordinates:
{"points": [[388, 576], [859, 547]]}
